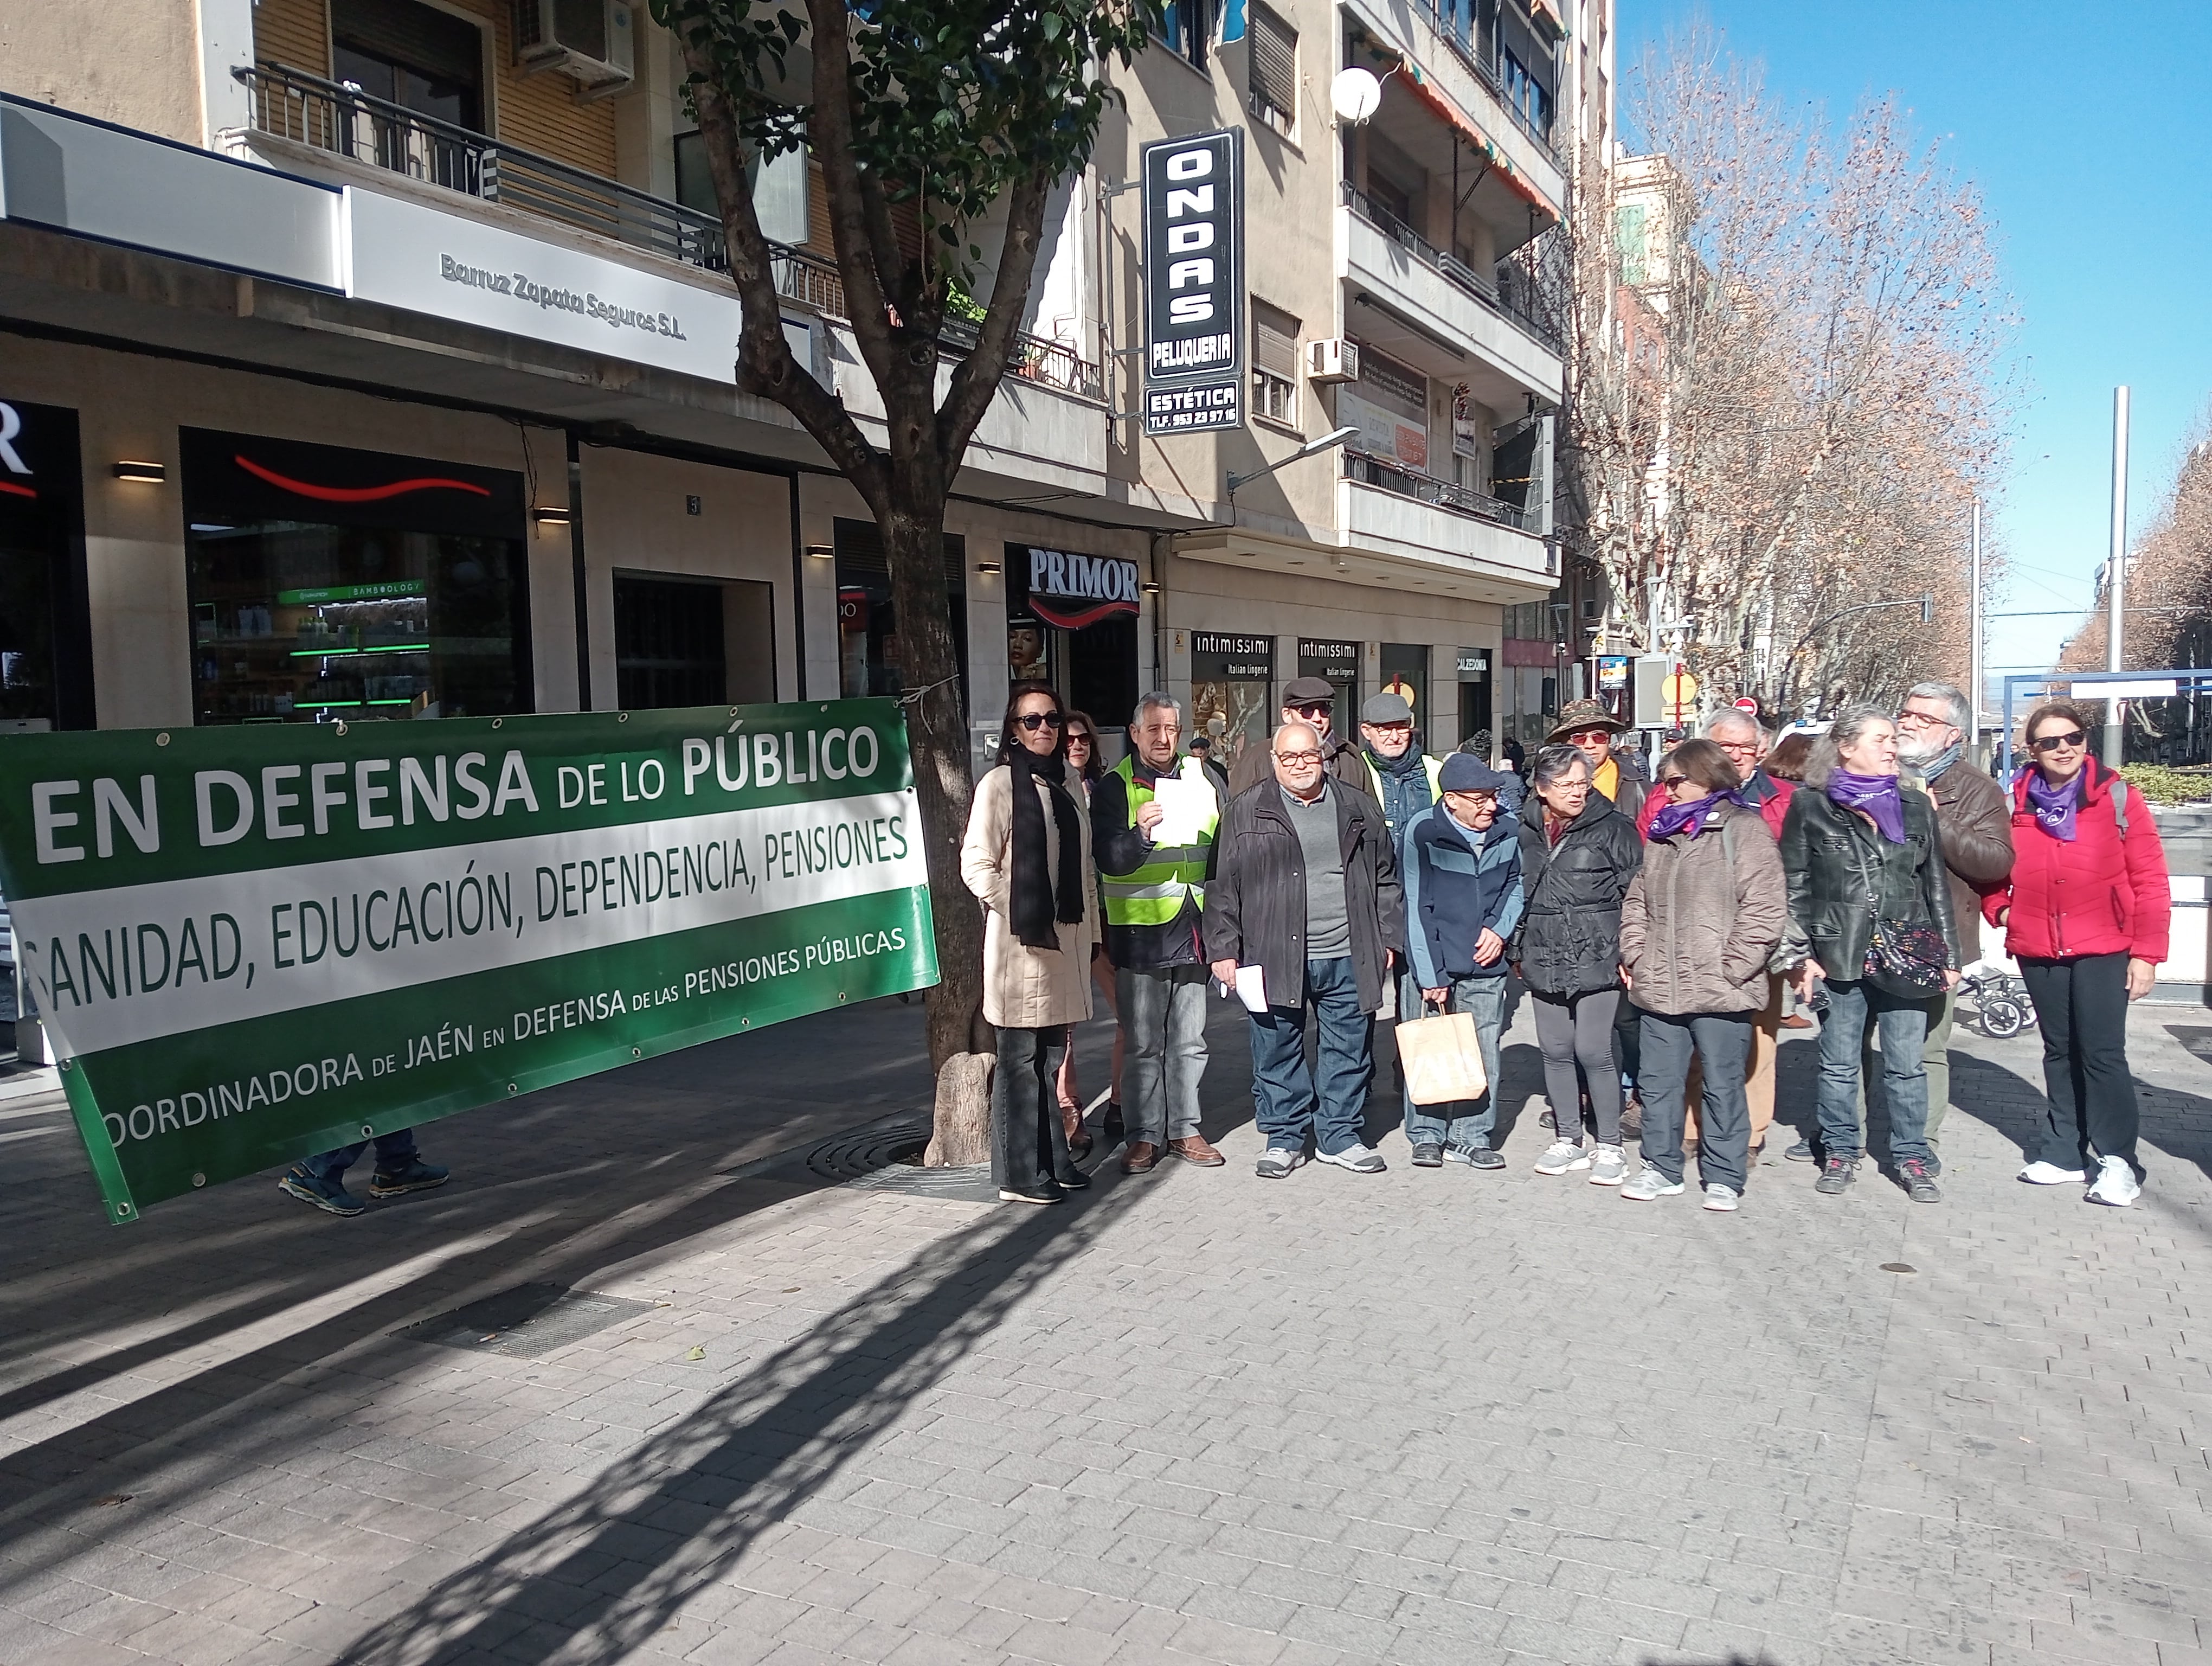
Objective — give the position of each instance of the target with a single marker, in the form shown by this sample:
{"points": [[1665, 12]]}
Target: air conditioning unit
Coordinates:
{"points": [[1333, 361], [588, 39]]}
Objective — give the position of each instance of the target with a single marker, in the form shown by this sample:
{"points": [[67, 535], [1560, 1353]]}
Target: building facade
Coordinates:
{"points": [[370, 359]]}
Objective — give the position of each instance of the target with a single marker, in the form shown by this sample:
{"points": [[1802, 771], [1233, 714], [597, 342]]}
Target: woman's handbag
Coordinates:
{"points": [[1442, 1059], [1903, 957]]}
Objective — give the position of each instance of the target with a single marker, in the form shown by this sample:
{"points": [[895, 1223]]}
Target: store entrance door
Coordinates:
{"points": [[1473, 694], [691, 642]]}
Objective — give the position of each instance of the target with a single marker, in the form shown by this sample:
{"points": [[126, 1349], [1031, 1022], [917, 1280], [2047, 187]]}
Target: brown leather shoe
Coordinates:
{"points": [[1194, 1149], [1796, 1021], [1142, 1157]]}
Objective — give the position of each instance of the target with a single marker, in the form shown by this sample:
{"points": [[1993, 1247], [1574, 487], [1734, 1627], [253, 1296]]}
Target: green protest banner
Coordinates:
{"points": [[249, 944]]}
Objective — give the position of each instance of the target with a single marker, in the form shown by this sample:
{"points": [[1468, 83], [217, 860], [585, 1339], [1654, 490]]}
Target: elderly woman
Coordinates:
{"points": [[1869, 890], [2086, 913], [1027, 857], [1696, 927], [1578, 856]]}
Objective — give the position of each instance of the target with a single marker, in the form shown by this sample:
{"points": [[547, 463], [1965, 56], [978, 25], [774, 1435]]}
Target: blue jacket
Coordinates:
{"points": [[1457, 882]]}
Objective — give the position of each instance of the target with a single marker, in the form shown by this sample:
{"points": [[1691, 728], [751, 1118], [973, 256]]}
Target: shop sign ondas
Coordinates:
{"points": [[252, 944], [1193, 191]]}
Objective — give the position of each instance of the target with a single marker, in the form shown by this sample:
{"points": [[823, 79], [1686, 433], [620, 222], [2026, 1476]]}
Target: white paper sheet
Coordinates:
{"points": [[1186, 801], [1252, 987]]}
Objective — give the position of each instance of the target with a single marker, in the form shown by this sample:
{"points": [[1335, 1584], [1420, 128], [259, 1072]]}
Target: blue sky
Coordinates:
{"points": [[2084, 129]]}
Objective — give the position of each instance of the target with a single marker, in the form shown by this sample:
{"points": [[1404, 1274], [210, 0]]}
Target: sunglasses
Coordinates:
{"points": [[1315, 708], [1035, 721], [2051, 743], [1670, 782]]}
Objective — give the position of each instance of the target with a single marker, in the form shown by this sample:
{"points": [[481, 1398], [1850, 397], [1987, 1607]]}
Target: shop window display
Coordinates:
{"points": [[1232, 681]]}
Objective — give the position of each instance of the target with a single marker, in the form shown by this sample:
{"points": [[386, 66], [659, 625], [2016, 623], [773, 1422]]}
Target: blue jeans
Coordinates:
{"points": [[1902, 1026], [1722, 1042], [1463, 1124], [1282, 1088], [394, 1152]]}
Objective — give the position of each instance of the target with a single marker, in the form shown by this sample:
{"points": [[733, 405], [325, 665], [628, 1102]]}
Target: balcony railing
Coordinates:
{"points": [[1368, 469], [1473, 41], [335, 116], [1511, 304]]}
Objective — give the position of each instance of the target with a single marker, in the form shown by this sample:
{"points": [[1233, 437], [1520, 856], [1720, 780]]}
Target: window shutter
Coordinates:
{"points": [[1274, 340], [1274, 61], [437, 45]]}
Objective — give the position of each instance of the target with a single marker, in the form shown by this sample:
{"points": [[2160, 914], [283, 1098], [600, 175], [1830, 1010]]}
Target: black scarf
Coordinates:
{"points": [[1038, 898]]}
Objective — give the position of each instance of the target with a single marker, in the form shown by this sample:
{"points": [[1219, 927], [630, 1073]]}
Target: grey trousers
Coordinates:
{"points": [[1163, 1031]]}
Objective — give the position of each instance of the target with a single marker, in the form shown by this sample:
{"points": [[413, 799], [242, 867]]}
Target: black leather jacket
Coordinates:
{"points": [[1828, 854], [1568, 942]]}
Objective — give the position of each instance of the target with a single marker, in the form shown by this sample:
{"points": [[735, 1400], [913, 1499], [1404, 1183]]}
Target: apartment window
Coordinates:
{"points": [[1274, 363], [411, 55], [1274, 49], [1187, 26]]}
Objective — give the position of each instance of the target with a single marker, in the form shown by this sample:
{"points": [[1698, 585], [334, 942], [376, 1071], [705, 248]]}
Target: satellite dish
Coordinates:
{"points": [[1355, 95]]}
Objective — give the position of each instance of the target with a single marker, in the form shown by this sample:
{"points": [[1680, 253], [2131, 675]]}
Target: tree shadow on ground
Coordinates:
{"points": [[597, 1576]]}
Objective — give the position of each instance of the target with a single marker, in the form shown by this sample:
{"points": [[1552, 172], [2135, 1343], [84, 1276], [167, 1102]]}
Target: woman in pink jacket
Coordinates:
{"points": [[2084, 913]]}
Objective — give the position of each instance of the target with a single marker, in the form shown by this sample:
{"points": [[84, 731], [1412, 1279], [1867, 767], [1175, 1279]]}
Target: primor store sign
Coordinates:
{"points": [[249, 944]]}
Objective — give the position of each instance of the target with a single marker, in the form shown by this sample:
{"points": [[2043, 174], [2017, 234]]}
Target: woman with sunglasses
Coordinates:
{"points": [[1698, 925], [1871, 894], [1027, 857], [2086, 914], [1086, 766]]}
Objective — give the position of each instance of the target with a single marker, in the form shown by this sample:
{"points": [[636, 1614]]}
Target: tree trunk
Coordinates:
{"points": [[961, 1129]]}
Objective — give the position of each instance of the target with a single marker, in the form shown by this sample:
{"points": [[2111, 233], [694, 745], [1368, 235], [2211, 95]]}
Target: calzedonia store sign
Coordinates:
{"points": [[1194, 284], [252, 944]]}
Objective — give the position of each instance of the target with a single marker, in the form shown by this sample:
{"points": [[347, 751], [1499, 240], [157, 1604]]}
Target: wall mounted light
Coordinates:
{"points": [[1149, 587], [989, 567], [152, 473], [555, 516], [822, 551]]}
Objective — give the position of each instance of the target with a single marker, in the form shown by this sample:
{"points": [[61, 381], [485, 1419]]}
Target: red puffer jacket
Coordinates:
{"points": [[2104, 893]]}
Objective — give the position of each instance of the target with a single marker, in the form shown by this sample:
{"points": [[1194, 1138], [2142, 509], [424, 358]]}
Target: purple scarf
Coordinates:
{"points": [[1875, 794], [1689, 817], [2055, 806]]}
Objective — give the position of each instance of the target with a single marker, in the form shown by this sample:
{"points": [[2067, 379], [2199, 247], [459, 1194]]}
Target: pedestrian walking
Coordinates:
{"points": [[321, 1180], [1155, 900], [1698, 925], [1464, 900], [1869, 894], [1311, 700], [1578, 856], [1027, 857], [1976, 824], [1306, 892], [1086, 765], [2086, 913]]}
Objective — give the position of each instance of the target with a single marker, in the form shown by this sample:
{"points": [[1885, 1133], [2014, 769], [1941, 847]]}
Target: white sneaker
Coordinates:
{"points": [[2039, 1173], [1720, 1197], [1360, 1159], [1608, 1166], [2115, 1183], [1649, 1185], [1562, 1157]]}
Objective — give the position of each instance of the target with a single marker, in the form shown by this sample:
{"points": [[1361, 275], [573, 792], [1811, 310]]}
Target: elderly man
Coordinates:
{"points": [[1974, 816], [1400, 776], [1155, 898], [1305, 892], [1462, 862], [1310, 700]]}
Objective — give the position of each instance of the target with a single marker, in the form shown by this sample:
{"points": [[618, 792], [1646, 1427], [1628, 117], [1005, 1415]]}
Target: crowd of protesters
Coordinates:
{"points": [[1665, 930]]}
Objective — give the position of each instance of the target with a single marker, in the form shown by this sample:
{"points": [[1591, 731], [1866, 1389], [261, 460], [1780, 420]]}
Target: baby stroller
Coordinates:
{"points": [[2002, 1008]]}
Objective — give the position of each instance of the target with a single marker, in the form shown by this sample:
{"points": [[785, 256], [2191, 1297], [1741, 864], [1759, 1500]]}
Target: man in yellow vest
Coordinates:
{"points": [[1154, 888]]}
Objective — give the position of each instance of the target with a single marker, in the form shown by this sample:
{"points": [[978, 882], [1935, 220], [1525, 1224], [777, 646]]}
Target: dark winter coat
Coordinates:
{"points": [[1823, 848], [1568, 942]]}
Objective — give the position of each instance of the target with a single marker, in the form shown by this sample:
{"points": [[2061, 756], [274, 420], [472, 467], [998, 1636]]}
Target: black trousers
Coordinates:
{"points": [[2081, 1004], [1029, 1145]]}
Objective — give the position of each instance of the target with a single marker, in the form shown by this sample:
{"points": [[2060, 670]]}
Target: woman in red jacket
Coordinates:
{"points": [[2085, 913]]}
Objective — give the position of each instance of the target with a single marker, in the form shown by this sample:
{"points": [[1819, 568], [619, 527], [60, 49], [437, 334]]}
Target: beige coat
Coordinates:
{"points": [[1026, 988]]}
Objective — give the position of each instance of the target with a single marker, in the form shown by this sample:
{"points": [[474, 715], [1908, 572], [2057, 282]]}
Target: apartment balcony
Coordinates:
{"points": [[1434, 524], [1421, 304], [303, 122]]}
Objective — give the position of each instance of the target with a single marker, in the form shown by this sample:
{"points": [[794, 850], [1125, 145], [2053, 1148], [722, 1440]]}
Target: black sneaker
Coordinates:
{"points": [[1803, 1152], [1920, 1181], [1835, 1173], [1428, 1156], [1074, 1181], [1037, 1191], [1483, 1157], [1111, 1128]]}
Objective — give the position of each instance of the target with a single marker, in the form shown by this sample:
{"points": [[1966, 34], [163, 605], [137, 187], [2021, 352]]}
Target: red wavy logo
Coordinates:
{"points": [[1075, 618], [14, 491], [356, 493]]}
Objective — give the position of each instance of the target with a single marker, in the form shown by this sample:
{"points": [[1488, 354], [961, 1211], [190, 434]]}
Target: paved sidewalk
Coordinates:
{"points": [[1427, 1416]]}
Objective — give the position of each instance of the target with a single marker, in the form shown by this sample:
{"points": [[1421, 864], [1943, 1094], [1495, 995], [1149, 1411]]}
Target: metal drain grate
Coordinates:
{"points": [[530, 1321], [880, 1158]]}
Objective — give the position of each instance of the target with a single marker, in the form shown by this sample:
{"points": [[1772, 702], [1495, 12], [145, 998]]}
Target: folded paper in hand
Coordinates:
{"points": [[1185, 800], [1442, 1059], [1252, 987]]}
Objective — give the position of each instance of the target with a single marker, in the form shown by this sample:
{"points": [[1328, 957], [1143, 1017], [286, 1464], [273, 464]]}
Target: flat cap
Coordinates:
{"points": [[1305, 690], [1386, 708], [1465, 774]]}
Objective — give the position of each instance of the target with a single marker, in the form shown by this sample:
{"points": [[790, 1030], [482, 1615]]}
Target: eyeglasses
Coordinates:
{"points": [[1737, 748], [1035, 721], [1315, 707], [1583, 737], [1912, 720], [1297, 758], [2051, 743]]}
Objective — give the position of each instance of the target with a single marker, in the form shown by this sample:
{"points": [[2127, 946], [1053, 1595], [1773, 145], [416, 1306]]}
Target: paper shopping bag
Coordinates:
{"points": [[1441, 1059]]}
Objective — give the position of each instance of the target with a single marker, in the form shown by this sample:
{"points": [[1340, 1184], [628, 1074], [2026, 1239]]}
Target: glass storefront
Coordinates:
{"points": [[867, 631], [1232, 681], [45, 650], [1072, 622], [328, 583], [1474, 704]]}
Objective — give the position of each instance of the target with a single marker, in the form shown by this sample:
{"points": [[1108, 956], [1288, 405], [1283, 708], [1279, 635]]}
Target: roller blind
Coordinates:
{"points": [[1274, 340], [1274, 61]]}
